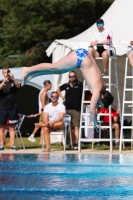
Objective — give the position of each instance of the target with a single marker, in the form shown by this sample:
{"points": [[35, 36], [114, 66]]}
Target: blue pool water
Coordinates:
{"points": [[66, 176]]}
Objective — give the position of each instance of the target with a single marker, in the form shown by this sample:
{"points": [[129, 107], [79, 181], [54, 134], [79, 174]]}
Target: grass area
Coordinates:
{"points": [[58, 146], [101, 146], [33, 145]]}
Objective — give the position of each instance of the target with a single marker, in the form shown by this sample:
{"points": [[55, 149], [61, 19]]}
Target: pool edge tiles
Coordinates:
{"points": [[55, 151]]}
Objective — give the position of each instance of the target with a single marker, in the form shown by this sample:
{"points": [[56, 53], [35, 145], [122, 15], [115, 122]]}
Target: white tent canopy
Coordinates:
{"points": [[117, 18]]}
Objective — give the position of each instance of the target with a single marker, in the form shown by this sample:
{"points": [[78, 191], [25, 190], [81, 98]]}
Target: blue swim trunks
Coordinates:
{"points": [[81, 54]]}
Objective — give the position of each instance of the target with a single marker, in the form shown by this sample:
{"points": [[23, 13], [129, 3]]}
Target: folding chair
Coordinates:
{"points": [[17, 130], [67, 128]]}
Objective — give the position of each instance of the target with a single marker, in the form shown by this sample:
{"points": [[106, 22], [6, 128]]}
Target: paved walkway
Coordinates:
{"points": [[55, 151]]}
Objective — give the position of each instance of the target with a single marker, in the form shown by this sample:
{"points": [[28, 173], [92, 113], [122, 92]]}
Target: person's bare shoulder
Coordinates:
{"points": [[43, 94]]}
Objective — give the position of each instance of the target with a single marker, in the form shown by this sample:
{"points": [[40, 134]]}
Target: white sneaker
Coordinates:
{"points": [[31, 139]]}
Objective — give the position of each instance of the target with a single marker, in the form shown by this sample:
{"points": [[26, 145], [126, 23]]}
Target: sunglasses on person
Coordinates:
{"points": [[71, 76], [100, 25], [54, 97]]}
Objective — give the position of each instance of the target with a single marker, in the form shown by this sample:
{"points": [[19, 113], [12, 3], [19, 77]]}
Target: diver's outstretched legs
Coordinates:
{"points": [[64, 65], [67, 64]]}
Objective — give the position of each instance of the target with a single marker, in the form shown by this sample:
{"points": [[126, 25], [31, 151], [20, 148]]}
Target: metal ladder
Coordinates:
{"points": [[83, 114], [126, 105]]}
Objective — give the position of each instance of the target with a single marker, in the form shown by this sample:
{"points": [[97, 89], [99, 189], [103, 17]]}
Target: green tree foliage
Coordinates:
{"points": [[24, 23]]}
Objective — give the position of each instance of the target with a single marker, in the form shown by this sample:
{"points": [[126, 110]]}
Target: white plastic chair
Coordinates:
{"points": [[67, 128]]}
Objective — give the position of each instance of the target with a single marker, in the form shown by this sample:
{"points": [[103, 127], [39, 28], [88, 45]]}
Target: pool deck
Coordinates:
{"points": [[55, 151]]}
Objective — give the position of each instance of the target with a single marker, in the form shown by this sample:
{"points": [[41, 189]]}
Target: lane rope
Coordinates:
{"points": [[30, 116]]}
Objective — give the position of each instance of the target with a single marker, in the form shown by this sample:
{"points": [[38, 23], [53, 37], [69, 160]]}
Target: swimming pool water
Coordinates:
{"points": [[66, 176]]}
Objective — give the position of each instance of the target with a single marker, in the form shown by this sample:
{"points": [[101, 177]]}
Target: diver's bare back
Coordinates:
{"points": [[92, 73]]}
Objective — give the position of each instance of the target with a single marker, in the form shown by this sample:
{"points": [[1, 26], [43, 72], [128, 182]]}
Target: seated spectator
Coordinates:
{"points": [[115, 122], [52, 118], [100, 38], [130, 55]]}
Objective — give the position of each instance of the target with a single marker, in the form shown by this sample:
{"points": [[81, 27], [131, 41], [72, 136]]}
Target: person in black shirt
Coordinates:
{"points": [[8, 106], [72, 101]]}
